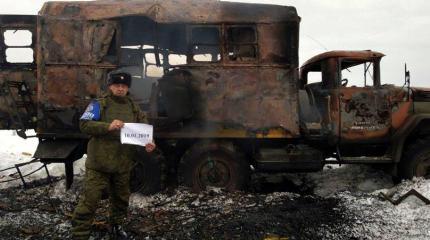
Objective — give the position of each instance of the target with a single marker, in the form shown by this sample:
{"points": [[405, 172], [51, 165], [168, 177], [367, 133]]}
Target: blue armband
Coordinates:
{"points": [[92, 113]]}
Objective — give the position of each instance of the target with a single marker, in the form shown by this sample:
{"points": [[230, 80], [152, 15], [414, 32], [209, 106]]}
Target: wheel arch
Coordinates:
{"points": [[416, 127]]}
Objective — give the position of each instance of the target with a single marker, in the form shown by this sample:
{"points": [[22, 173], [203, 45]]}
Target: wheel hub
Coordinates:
{"points": [[214, 172]]}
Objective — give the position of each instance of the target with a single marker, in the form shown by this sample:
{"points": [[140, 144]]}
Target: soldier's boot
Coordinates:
{"points": [[119, 233]]}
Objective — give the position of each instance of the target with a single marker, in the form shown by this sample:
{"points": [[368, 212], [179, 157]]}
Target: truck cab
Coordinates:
{"points": [[344, 102]]}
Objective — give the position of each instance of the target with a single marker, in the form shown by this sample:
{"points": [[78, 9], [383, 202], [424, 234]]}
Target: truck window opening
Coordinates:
{"points": [[359, 75], [18, 38], [242, 45], [18, 46], [205, 43]]}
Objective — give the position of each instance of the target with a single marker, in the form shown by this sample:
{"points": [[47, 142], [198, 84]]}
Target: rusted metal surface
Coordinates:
{"points": [[275, 42], [244, 98], [75, 42], [364, 55], [190, 11], [364, 113], [72, 68], [314, 64]]}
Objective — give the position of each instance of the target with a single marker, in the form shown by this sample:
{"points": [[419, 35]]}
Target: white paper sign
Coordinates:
{"points": [[136, 134]]}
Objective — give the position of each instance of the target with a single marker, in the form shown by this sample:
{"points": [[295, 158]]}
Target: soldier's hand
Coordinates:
{"points": [[149, 147], [116, 125]]}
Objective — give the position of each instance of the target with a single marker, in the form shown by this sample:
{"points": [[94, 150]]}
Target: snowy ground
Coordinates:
{"points": [[337, 203]]}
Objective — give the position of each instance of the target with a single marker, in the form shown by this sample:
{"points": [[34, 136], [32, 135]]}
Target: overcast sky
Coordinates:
{"points": [[400, 29]]}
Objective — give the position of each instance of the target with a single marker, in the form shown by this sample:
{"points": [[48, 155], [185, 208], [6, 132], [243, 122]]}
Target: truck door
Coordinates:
{"points": [[364, 111], [17, 72]]}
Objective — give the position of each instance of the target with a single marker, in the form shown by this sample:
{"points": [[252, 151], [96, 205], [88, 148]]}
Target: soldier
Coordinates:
{"points": [[109, 162]]}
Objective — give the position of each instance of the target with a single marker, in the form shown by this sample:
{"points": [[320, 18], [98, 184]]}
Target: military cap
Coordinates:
{"points": [[118, 78]]}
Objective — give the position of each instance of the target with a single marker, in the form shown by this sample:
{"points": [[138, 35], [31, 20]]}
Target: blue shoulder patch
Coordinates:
{"points": [[92, 113]]}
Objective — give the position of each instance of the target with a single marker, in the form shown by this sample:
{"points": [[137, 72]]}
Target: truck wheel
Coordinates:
{"points": [[148, 172], [416, 160], [213, 164]]}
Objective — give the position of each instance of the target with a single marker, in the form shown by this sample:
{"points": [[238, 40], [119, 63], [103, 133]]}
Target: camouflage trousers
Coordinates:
{"points": [[95, 183]]}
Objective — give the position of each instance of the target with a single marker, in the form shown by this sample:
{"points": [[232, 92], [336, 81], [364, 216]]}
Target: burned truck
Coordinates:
{"points": [[219, 81]]}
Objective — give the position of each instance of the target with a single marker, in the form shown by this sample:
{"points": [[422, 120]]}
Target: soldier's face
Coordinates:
{"points": [[119, 89]]}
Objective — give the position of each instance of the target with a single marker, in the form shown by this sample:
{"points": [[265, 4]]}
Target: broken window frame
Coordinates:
{"points": [[162, 57], [192, 45], [228, 44], [375, 75], [4, 47], [220, 45]]}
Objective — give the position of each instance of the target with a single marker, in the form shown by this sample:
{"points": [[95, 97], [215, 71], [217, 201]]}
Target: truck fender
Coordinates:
{"points": [[59, 149], [412, 126]]}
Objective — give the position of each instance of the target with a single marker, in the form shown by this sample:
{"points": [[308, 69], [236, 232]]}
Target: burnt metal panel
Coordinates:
{"points": [[64, 91], [65, 86], [240, 98], [365, 113], [76, 42], [279, 43], [74, 58], [191, 11], [373, 112], [9, 97]]}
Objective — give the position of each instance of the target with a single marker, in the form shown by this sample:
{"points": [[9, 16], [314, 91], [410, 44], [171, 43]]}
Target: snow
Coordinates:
{"points": [[355, 187], [349, 178], [377, 219], [358, 187]]}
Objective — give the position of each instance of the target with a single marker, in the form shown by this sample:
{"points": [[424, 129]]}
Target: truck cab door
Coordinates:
{"points": [[17, 72], [319, 112], [364, 109]]}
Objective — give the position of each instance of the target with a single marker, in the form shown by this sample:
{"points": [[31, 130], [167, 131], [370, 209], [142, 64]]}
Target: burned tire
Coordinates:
{"points": [[214, 164], [148, 172], [416, 160]]}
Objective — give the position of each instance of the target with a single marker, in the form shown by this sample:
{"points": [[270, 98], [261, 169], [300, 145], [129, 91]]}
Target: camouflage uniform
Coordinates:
{"points": [[108, 163]]}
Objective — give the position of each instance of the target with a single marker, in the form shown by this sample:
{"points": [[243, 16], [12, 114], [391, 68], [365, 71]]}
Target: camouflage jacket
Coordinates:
{"points": [[105, 153]]}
